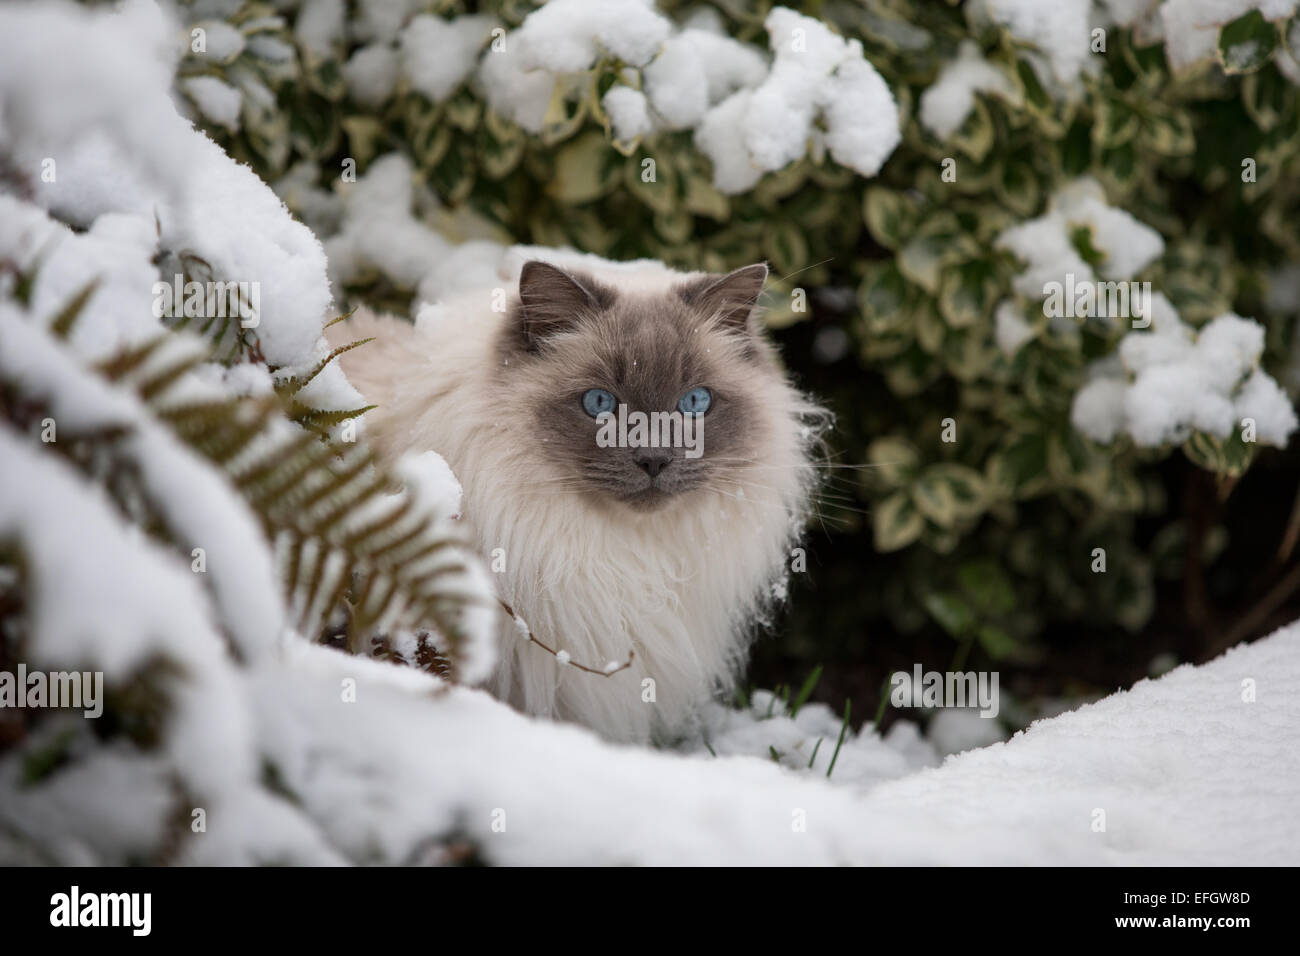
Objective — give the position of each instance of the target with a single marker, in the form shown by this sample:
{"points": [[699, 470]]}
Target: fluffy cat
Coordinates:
{"points": [[606, 550]]}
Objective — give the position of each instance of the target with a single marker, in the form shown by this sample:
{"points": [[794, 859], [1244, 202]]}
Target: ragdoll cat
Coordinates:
{"points": [[674, 553]]}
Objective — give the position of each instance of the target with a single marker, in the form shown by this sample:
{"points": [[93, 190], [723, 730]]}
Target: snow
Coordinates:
{"points": [[1128, 12], [1060, 29], [470, 265], [221, 41], [748, 117], [861, 118], [121, 147], [1178, 381], [1010, 330], [958, 729], [1262, 400], [1173, 763], [815, 70], [568, 36], [513, 90], [1098, 408], [947, 103], [1168, 381], [430, 483], [216, 99], [320, 26], [70, 532], [719, 137], [115, 252], [806, 742], [698, 69], [379, 231], [1044, 244], [371, 74], [438, 55], [390, 773], [380, 21], [629, 112], [196, 503], [1192, 27]]}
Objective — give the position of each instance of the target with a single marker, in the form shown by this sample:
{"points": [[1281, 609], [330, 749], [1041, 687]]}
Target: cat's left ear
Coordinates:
{"points": [[731, 298]]}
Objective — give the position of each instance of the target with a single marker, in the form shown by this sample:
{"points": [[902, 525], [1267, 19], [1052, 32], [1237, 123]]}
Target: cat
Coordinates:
{"points": [[671, 554]]}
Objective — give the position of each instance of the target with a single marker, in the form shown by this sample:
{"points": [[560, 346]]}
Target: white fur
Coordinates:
{"points": [[681, 586]]}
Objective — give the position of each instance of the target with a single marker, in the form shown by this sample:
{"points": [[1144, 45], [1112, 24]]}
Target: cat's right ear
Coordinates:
{"points": [[552, 300]]}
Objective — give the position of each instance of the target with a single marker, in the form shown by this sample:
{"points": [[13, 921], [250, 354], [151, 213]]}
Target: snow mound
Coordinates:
{"points": [[748, 117], [1173, 764], [949, 101], [1182, 382], [1046, 246]]}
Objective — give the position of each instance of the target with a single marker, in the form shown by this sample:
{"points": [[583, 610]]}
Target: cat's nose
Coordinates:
{"points": [[652, 460]]}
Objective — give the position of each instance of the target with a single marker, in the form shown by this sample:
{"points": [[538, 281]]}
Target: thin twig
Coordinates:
{"points": [[1292, 533], [568, 661], [1258, 614]]}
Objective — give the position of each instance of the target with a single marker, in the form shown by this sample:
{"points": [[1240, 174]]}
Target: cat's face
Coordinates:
{"points": [[638, 398]]}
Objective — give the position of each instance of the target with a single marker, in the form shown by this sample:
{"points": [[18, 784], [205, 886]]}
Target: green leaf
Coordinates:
{"points": [[889, 215], [966, 293], [585, 169], [1120, 165], [663, 192], [1081, 239], [987, 586], [934, 498], [62, 324], [965, 484], [1292, 37], [565, 114], [931, 330], [501, 145], [939, 241], [1247, 43], [1116, 123], [1171, 134], [997, 642], [464, 111], [704, 199], [786, 247], [893, 460], [976, 136], [896, 522], [1229, 457], [1025, 461], [1019, 188], [883, 297], [951, 612]]}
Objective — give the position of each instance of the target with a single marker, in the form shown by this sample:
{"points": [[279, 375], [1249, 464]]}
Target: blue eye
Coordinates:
{"points": [[696, 401], [597, 400]]}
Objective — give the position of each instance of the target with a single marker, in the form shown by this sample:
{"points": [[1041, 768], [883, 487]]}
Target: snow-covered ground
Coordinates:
{"points": [[1201, 766]]}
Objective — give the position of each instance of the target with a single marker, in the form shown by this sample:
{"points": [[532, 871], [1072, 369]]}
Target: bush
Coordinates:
{"points": [[991, 535]]}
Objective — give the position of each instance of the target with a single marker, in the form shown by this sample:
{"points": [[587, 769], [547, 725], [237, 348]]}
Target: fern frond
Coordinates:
{"points": [[344, 544], [63, 322], [293, 385]]}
